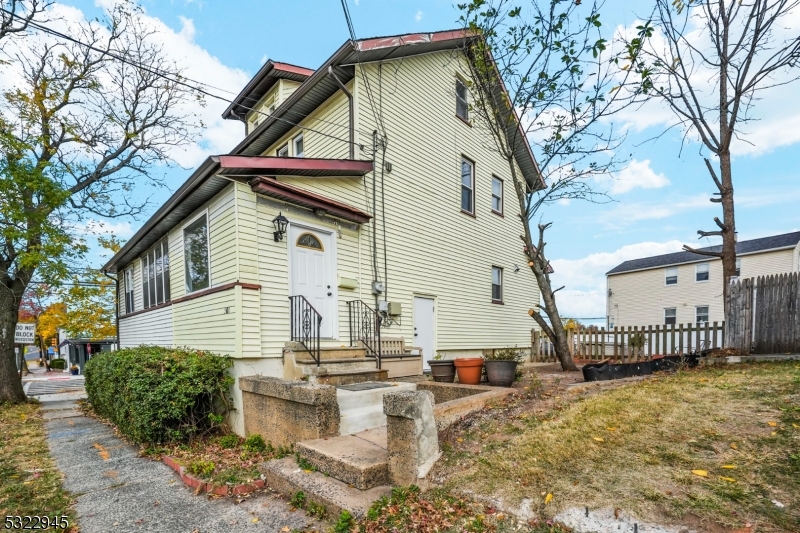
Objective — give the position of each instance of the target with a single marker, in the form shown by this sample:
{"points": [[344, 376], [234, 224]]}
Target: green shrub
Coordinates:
{"points": [[298, 499], [58, 364], [228, 441], [202, 468], [254, 444], [344, 524], [157, 395]]}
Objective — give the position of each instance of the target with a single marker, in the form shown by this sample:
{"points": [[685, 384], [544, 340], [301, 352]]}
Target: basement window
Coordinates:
{"points": [[670, 315], [195, 254]]}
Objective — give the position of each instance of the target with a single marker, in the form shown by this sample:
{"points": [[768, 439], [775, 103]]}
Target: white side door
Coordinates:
{"points": [[424, 327], [313, 271]]}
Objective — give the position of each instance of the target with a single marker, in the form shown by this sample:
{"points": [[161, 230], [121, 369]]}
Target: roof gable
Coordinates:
{"points": [[260, 84]]}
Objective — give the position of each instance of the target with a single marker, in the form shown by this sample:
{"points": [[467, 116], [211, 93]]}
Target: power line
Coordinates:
{"points": [[162, 75]]}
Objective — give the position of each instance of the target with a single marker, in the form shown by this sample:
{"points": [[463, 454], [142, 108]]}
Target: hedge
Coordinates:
{"points": [[156, 395], [58, 364]]}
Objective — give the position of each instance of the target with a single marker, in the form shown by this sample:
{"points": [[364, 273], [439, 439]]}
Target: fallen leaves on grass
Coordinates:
{"points": [[701, 473]]}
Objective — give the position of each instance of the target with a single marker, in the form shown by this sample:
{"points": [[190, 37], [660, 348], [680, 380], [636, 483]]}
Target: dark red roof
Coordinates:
{"points": [[242, 165], [283, 191]]}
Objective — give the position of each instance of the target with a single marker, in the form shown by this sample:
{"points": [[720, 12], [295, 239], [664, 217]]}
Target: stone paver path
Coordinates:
{"points": [[117, 491]]}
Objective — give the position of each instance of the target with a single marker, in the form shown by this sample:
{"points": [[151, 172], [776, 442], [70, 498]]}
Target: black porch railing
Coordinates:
{"points": [[304, 323], [365, 327]]}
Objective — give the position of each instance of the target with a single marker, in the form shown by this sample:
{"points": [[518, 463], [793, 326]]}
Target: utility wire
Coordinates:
{"points": [[167, 77]]}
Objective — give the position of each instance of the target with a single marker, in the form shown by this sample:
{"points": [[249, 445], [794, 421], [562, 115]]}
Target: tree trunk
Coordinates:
{"points": [[10, 384], [729, 221], [556, 332]]}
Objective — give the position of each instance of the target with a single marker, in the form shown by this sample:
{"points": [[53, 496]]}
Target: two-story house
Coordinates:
{"points": [[686, 288], [363, 193]]}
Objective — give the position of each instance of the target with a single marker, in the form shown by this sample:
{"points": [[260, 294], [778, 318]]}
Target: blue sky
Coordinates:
{"points": [[660, 200]]}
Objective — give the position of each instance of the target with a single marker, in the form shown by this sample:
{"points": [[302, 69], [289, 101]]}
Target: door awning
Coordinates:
{"points": [[240, 165], [295, 195]]}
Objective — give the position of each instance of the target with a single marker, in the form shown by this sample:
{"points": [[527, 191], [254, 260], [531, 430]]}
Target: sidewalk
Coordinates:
{"points": [[117, 491]]}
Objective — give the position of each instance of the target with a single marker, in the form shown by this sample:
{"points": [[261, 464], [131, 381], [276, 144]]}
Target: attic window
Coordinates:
{"points": [[307, 240], [462, 103], [283, 151]]}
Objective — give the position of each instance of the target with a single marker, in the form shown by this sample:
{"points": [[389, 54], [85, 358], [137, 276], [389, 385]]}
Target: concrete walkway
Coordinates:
{"points": [[117, 491]]}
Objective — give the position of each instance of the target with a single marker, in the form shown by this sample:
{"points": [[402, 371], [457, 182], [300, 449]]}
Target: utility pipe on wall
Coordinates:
{"points": [[352, 114]]}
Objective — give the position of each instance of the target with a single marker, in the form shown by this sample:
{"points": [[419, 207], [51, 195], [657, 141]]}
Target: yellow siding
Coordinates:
{"points": [[639, 298], [287, 87], [204, 323], [433, 248], [154, 327]]}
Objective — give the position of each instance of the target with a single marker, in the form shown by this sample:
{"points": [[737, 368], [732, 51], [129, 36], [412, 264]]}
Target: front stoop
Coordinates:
{"points": [[284, 476], [359, 460], [347, 377], [339, 365]]}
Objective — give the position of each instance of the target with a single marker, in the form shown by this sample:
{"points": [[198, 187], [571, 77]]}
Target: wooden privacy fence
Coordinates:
{"points": [[632, 343], [764, 314]]}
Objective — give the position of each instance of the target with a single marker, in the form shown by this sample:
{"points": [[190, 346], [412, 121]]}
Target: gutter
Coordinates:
{"points": [[116, 306], [352, 127]]}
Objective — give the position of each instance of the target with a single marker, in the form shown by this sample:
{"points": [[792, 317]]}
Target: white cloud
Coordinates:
{"points": [[418, 16], [219, 135], [585, 280], [637, 174]]}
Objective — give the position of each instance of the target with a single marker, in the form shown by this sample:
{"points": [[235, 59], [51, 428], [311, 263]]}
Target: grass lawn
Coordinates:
{"points": [[715, 448], [30, 484]]}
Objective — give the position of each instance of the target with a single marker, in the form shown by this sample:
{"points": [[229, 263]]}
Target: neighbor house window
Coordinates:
{"points": [[701, 272], [701, 313], [283, 151], [497, 195], [671, 276], [129, 290], [468, 186], [298, 146], [497, 284], [738, 267], [670, 315], [155, 276], [195, 254], [462, 101]]}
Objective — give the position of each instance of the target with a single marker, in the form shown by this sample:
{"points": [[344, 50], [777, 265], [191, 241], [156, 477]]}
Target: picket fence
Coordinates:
{"points": [[632, 343]]}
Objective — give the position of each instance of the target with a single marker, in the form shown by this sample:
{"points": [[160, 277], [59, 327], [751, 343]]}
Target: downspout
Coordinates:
{"points": [[352, 113], [116, 305]]}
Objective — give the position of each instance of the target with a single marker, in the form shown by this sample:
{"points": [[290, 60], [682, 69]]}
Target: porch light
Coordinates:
{"points": [[280, 223]]}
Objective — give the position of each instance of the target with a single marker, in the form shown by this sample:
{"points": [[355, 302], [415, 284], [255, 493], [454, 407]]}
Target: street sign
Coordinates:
{"points": [[25, 334]]}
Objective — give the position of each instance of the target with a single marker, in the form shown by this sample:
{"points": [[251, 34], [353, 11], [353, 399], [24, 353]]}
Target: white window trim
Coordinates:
{"points": [[665, 314], [462, 81], [208, 250], [708, 314], [502, 291], [281, 147], [502, 195], [707, 271], [666, 270], [129, 290], [294, 145], [162, 241], [461, 185]]}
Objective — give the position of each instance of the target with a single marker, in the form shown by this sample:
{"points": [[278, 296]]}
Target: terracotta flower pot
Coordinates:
{"points": [[443, 371], [469, 370]]}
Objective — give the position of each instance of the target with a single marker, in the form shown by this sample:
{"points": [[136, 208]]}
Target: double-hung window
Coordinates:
{"points": [[297, 143], [129, 290], [738, 267], [195, 255], [155, 275], [467, 186], [701, 313], [670, 315], [671, 276], [462, 101], [701, 272], [497, 285], [497, 195]]}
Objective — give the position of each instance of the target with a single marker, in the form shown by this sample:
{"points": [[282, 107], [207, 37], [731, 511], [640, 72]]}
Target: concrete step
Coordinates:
{"points": [[355, 363], [333, 352], [346, 377], [362, 410], [358, 460], [284, 476]]}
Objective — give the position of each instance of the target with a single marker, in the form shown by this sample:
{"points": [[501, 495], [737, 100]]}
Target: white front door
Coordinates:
{"points": [[424, 324], [313, 273]]}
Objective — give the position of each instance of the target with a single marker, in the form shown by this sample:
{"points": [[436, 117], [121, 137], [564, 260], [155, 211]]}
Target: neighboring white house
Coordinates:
{"points": [[416, 227], [685, 287]]}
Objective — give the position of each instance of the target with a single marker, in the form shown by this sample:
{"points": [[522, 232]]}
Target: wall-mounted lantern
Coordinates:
{"points": [[280, 222]]}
